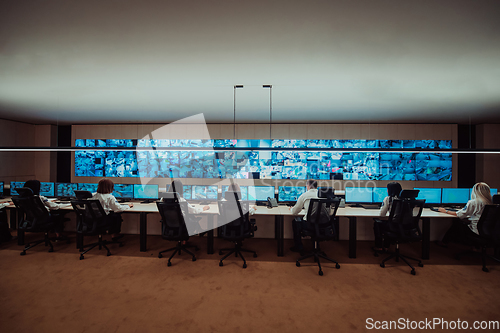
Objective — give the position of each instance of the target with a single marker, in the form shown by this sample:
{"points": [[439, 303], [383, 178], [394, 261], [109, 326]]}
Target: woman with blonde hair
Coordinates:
{"points": [[469, 215]]}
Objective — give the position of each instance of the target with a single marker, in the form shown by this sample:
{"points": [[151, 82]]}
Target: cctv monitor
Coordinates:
{"points": [[13, 186], [123, 191], [146, 192], [379, 194], [432, 196], [260, 193], [243, 189], [289, 194], [455, 196], [66, 190], [358, 195], [91, 187], [47, 189]]}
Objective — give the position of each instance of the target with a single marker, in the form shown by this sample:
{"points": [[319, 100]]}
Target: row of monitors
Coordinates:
{"points": [[437, 196], [286, 194]]}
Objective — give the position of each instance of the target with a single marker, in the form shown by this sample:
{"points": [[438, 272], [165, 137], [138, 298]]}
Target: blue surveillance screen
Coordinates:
{"points": [[66, 189], [431, 195], [455, 196], [202, 192], [244, 192], [123, 191], [290, 193], [47, 189], [13, 186], [1, 188], [188, 192], [91, 187], [379, 194], [358, 195], [260, 193], [149, 191]]}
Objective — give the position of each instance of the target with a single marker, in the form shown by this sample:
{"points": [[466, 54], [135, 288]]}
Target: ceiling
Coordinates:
{"points": [[343, 61]]}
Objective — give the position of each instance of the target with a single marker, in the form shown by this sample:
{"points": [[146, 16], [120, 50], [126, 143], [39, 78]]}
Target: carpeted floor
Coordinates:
{"points": [[132, 291]]}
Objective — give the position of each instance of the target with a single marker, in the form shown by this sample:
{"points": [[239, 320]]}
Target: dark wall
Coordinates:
{"points": [[466, 162], [64, 158]]}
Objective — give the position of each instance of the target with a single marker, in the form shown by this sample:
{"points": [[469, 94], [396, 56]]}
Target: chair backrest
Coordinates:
{"points": [[173, 219], [35, 214], [404, 217], [321, 214], [489, 223], [24, 191], [235, 218], [496, 199], [80, 195], [91, 215], [169, 196]]}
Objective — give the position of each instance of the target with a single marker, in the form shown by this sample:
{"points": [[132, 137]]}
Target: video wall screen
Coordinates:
{"points": [[268, 164]]}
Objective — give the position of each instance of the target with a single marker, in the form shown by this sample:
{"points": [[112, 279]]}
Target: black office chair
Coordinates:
{"points": [[237, 226], [321, 215], [93, 220], [34, 217], [81, 195], [173, 219], [402, 225], [496, 199], [489, 235]]}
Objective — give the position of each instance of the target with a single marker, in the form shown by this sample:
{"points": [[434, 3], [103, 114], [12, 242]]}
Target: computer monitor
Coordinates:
{"points": [[1, 189], [14, 185], [243, 189], [204, 192], [455, 196], [260, 193], [432, 196], [358, 195], [326, 192], [493, 191], [290, 194], [379, 194], [47, 189], [147, 192], [188, 192], [66, 190], [123, 191], [91, 187]]}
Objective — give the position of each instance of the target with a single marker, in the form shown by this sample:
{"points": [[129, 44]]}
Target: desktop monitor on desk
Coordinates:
{"points": [[243, 189], [66, 190], [188, 192], [1, 189], [91, 187], [13, 186], [290, 194], [146, 192], [204, 192], [47, 189], [358, 195], [432, 196], [379, 194], [260, 193], [123, 191], [455, 196]]}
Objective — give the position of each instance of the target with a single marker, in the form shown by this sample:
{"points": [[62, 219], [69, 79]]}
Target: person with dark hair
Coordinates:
{"points": [[176, 186], [299, 224], [379, 226], [53, 207], [105, 188]]}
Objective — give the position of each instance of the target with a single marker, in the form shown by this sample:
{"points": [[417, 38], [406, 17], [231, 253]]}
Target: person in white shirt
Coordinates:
{"points": [[469, 215], [300, 224], [379, 226], [111, 206]]}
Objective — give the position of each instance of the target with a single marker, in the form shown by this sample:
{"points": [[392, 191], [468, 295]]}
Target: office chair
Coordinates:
{"points": [[402, 225], [489, 235], [34, 217], [174, 226], [321, 215], [496, 199], [237, 226], [81, 195], [92, 220]]}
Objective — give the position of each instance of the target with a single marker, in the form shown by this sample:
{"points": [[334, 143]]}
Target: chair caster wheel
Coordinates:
{"points": [[420, 264], [108, 254], [169, 264], [320, 273], [485, 269], [297, 264], [160, 255], [412, 272], [337, 266], [23, 253], [51, 250], [82, 257], [221, 264], [382, 265], [245, 265], [194, 259]]}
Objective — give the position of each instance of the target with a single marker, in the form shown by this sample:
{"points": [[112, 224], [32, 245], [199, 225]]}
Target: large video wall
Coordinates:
{"points": [[266, 164]]}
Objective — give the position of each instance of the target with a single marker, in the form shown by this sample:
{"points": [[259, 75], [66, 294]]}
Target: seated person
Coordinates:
{"points": [[300, 224], [111, 206], [468, 216], [379, 226], [53, 207], [5, 235]]}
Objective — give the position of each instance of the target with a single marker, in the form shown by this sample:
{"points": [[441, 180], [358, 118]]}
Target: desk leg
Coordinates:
{"points": [[426, 237], [143, 231], [210, 235], [352, 236], [279, 229], [13, 219]]}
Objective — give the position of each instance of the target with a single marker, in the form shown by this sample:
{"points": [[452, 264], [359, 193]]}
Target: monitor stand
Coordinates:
{"points": [[145, 201], [357, 205]]}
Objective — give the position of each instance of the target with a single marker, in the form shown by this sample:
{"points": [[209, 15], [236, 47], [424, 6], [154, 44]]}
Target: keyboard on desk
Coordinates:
{"points": [[435, 209], [62, 202], [371, 206]]}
